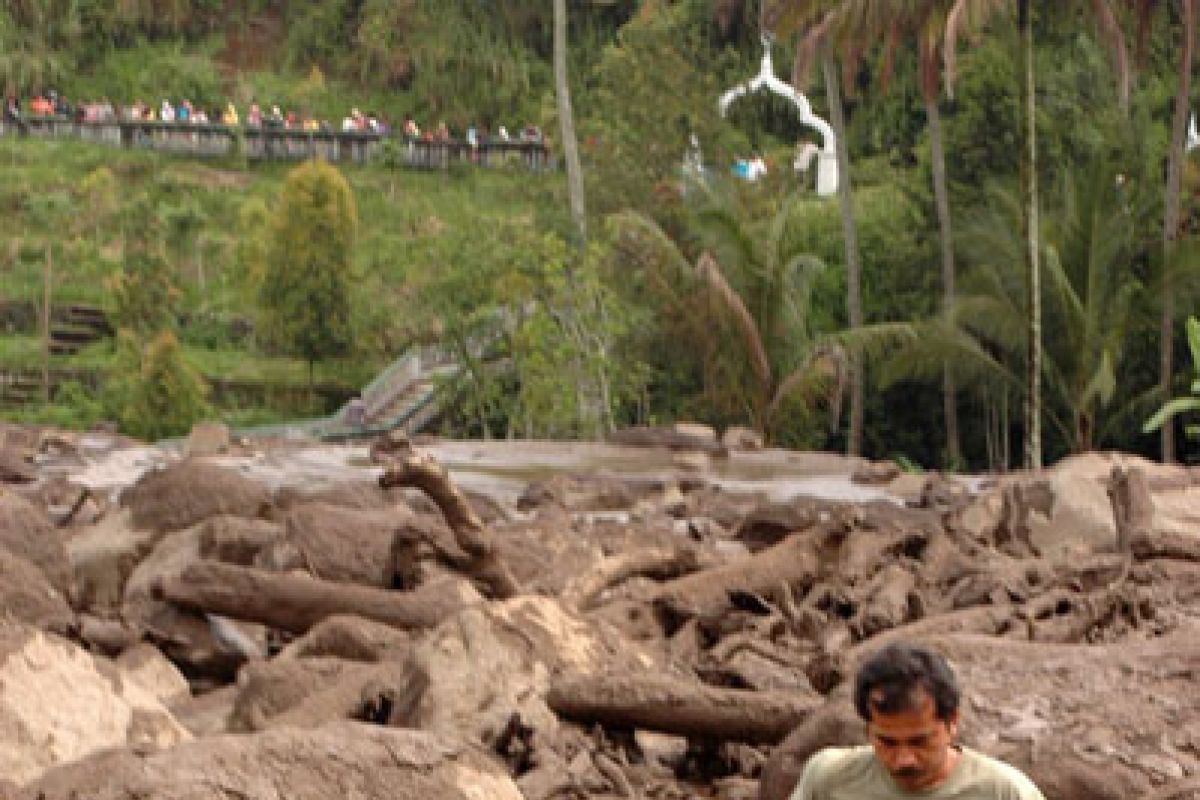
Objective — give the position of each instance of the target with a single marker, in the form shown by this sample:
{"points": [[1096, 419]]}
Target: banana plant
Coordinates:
{"points": [[1181, 404]]}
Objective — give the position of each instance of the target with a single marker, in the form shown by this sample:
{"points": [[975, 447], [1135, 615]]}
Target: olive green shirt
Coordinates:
{"points": [[853, 773]]}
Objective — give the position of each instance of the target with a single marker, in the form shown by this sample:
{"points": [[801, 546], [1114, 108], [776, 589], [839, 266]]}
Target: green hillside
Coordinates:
{"points": [[623, 329]]}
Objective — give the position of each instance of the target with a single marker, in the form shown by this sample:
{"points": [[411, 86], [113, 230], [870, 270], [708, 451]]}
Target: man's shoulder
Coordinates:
{"points": [[833, 766], [1007, 781]]}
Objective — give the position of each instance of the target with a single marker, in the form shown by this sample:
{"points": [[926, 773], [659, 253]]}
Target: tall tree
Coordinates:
{"points": [[973, 14], [566, 120], [854, 311], [858, 23], [813, 20], [305, 295], [1175, 158]]}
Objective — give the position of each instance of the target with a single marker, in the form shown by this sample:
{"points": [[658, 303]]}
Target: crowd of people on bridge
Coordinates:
{"points": [[50, 105]]}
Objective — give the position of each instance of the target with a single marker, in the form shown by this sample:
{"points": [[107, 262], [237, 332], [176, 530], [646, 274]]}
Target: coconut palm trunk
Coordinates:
{"points": [[937, 157], [562, 92], [1171, 215], [1029, 181], [853, 264]]}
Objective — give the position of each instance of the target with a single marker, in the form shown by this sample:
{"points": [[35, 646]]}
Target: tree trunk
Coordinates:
{"points": [[937, 159], [567, 121], [1033, 366], [853, 267], [296, 603], [792, 561], [47, 279], [667, 704], [403, 466], [1175, 158]]}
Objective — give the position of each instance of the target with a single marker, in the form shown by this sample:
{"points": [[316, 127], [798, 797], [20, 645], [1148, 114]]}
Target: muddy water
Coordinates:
{"points": [[502, 469]]}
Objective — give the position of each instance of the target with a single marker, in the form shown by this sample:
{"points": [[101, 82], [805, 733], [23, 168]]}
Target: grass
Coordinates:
{"points": [[412, 225]]}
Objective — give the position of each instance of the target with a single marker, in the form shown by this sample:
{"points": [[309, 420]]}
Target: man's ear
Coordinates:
{"points": [[952, 723]]}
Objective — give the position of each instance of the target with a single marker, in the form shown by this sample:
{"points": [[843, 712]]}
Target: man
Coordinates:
{"points": [[909, 698]]}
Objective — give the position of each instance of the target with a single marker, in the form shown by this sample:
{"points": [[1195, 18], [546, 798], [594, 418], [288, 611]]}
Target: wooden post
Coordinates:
{"points": [[46, 278]]}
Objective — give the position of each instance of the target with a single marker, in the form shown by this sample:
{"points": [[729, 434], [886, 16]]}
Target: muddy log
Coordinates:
{"points": [[658, 562], [792, 562], [1133, 507], [673, 706], [404, 466], [296, 603]]}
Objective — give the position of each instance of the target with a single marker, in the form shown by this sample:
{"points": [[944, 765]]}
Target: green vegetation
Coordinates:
{"points": [[719, 301], [305, 294]]}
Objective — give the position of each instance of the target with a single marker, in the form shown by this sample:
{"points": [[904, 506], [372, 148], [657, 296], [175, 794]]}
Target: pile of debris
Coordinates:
{"points": [[204, 634]]}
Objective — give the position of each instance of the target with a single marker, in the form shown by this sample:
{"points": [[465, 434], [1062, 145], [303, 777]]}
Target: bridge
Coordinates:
{"points": [[214, 140]]}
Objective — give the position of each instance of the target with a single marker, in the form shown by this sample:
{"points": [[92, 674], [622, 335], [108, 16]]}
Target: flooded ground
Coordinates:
{"points": [[502, 469]]}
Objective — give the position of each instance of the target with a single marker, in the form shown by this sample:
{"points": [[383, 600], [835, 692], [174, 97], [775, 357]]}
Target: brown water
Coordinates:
{"points": [[502, 469]]}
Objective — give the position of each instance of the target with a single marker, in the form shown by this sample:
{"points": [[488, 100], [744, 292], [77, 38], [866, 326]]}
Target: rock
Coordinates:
{"points": [[57, 705], [876, 473], [692, 462], [207, 439], [695, 430], [180, 495], [472, 673], [26, 595], [737, 437], [206, 714], [104, 555], [27, 532], [237, 540], [149, 668], [343, 544], [14, 468], [307, 692], [343, 759], [645, 436], [188, 638], [352, 638]]}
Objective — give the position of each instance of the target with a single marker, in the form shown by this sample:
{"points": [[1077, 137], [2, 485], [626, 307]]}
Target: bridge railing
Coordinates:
{"points": [[267, 143]]}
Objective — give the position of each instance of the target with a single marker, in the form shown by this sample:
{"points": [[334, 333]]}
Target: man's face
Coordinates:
{"points": [[914, 745]]}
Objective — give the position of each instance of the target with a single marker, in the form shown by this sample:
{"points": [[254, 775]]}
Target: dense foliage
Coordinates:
{"points": [[561, 341]]}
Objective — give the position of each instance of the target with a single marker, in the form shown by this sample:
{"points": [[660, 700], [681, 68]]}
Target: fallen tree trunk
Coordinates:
{"points": [[296, 603], [791, 561], [671, 706], [653, 562], [404, 466]]}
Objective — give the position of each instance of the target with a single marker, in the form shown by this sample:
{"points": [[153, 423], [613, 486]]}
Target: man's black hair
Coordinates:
{"points": [[887, 681]]}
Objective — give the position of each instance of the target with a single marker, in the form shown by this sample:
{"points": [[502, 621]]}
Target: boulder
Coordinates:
{"points": [[343, 759], [207, 439], [58, 704], [352, 638], [343, 544], [237, 540], [737, 437], [14, 468], [103, 556], [147, 666], [471, 674], [26, 595], [186, 637], [27, 532], [182, 494], [309, 692], [695, 430]]}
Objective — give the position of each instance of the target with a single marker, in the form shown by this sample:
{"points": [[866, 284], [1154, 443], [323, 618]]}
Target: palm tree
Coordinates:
{"points": [[814, 21], [1175, 157], [963, 15], [1088, 239], [860, 22], [750, 289]]}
